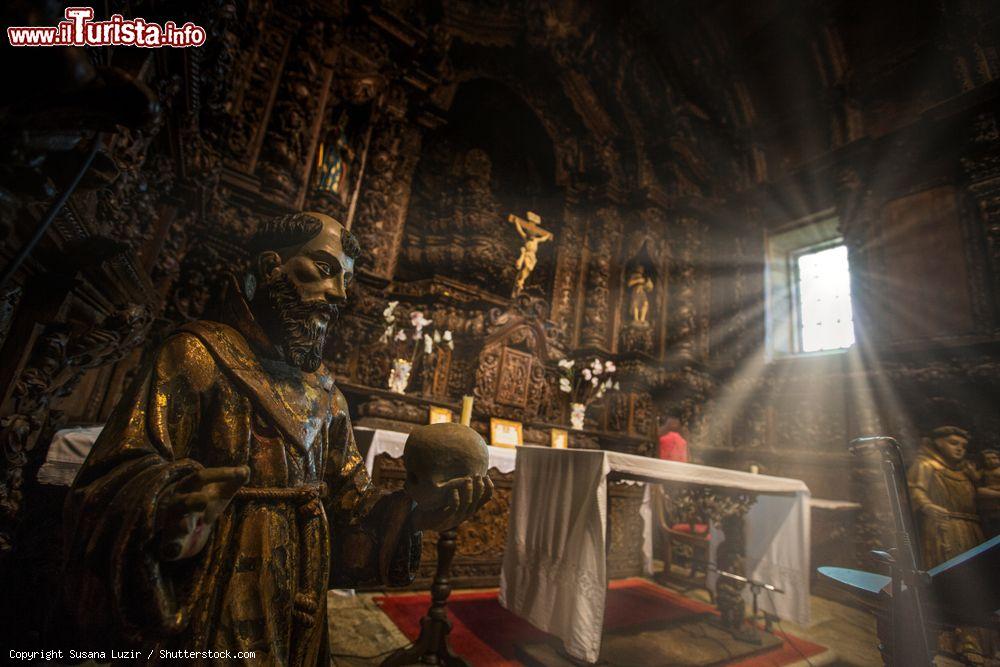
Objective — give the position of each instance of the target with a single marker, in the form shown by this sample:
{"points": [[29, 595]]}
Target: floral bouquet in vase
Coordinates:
{"points": [[585, 383], [406, 344]]}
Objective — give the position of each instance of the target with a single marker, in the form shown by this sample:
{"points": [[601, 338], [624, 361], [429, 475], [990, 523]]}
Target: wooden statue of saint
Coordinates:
{"points": [[943, 495], [226, 493], [641, 285], [943, 498]]}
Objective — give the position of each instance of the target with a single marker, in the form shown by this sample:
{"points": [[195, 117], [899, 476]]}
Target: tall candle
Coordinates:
{"points": [[466, 410]]}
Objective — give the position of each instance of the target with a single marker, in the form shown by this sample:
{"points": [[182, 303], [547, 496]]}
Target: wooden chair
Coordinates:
{"points": [[692, 534]]}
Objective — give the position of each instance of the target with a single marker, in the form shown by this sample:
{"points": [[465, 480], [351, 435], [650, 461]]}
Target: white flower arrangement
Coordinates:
{"points": [[589, 383], [397, 338]]}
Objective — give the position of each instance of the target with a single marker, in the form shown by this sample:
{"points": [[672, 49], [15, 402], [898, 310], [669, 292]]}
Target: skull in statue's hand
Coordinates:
{"points": [[440, 453]]}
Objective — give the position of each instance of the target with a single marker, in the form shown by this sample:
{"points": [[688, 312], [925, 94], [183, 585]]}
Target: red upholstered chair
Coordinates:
{"points": [[692, 539]]}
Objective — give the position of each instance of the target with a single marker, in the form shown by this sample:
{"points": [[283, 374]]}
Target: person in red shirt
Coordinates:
{"points": [[673, 446]]}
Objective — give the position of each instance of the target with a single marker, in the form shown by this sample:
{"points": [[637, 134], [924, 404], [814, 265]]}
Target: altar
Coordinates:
{"points": [[602, 503], [555, 571], [563, 530]]}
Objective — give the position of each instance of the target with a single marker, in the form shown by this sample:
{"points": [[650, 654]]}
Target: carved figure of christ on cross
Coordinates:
{"points": [[533, 235]]}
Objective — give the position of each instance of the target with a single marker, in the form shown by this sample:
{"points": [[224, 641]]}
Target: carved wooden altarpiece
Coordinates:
{"points": [[514, 374]]}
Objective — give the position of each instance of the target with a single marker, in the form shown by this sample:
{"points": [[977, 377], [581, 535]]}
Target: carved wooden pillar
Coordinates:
{"points": [[385, 192], [733, 342], [290, 140], [245, 78], [59, 356], [569, 267], [684, 309], [602, 243], [655, 218], [703, 295], [24, 402]]}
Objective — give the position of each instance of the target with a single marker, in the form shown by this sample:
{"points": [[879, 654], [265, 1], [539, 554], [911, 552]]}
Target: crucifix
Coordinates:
{"points": [[533, 235]]}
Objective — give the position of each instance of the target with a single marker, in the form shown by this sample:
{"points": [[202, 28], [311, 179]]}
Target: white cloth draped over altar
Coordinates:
{"points": [[554, 570]]}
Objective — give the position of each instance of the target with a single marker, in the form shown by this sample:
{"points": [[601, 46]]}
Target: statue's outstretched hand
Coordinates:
{"points": [[465, 496], [188, 509]]}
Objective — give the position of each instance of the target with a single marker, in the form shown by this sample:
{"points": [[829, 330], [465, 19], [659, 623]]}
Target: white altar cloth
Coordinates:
{"points": [[554, 570], [393, 443]]}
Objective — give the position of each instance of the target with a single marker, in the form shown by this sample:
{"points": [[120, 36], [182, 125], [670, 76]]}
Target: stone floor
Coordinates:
{"points": [[849, 632], [360, 633], [694, 641], [359, 629]]}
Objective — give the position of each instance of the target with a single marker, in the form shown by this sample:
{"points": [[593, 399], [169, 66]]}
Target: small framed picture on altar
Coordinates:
{"points": [[505, 433], [560, 439], [440, 415]]}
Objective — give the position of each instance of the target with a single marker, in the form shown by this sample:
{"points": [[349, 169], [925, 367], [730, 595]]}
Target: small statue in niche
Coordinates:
{"points": [[226, 493], [641, 285], [533, 236]]}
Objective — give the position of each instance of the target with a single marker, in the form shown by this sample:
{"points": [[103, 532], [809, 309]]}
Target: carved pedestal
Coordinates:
{"points": [[432, 646], [636, 337]]}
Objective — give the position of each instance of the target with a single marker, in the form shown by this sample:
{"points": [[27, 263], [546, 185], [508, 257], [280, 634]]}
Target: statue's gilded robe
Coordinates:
{"points": [[307, 520], [932, 481]]}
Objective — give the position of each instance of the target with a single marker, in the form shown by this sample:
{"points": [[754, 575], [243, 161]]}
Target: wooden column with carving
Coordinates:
{"points": [[569, 267], [290, 138], [76, 331], [602, 242], [384, 197], [684, 308]]}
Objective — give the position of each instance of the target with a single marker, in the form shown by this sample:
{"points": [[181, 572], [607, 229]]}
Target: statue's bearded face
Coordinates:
{"points": [[991, 460], [952, 448], [304, 287], [304, 324]]}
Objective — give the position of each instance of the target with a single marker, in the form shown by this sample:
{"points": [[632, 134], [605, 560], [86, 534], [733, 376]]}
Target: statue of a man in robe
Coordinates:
{"points": [[226, 493], [943, 496]]}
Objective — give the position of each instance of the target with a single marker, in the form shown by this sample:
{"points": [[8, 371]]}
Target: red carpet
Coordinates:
{"points": [[485, 634]]}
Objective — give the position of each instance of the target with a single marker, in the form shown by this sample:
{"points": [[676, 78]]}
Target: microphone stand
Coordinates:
{"points": [[908, 622]]}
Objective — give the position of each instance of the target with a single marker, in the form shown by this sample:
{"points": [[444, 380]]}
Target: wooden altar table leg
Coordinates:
{"points": [[431, 647]]}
